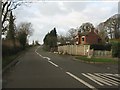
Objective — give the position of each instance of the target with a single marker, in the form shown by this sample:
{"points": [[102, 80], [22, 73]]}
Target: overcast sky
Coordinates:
{"points": [[63, 15]]}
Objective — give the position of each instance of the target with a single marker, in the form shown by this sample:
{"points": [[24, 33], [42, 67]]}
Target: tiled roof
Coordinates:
{"points": [[84, 33]]}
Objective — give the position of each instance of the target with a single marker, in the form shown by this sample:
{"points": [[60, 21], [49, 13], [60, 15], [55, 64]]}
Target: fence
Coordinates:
{"points": [[102, 53], [74, 49], [82, 50]]}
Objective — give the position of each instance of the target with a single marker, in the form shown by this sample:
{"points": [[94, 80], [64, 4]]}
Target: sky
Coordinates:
{"points": [[63, 15]]}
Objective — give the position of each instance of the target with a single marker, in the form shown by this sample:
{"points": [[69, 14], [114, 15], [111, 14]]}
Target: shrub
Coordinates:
{"points": [[106, 47], [115, 48]]}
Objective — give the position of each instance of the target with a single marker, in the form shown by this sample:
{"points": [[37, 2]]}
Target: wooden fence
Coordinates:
{"points": [[102, 53], [74, 49], [82, 50]]}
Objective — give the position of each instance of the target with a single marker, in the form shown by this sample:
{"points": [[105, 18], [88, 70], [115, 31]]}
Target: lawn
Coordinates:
{"points": [[96, 59]]}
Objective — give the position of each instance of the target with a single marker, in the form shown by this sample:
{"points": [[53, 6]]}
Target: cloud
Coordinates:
{"points": [[63, 15]]}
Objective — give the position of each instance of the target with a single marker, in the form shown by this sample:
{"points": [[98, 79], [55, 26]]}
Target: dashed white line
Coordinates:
{"points": [[41, 55], [46, 58], [53, 63], [80, 80]]}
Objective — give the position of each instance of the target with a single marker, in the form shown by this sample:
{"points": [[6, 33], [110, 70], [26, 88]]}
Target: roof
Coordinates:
{"points": [[84, 33]]}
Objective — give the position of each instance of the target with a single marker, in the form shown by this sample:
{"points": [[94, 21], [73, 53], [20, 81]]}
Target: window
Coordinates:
{"points": [[82, 39]]}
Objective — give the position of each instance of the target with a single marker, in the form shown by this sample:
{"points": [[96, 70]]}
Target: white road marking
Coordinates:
{"points": [[100, 79], [116, 75], [93, 79], [108, 80], [80, 80], [53, 63], [47, 58], [41, 55], [111, 77]]}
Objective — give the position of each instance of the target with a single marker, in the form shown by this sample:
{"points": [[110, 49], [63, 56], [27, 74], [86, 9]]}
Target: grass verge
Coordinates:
{"points": [[8, 59], [97, 59]]}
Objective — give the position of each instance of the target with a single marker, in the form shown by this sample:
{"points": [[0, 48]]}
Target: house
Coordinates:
{"points": [[89, 37]]}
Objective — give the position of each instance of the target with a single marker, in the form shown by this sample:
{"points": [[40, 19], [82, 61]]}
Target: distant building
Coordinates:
{"points": [[89, 37]]}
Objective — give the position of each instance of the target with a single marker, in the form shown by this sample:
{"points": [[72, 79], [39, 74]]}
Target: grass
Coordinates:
{"points": [[96, 59]]}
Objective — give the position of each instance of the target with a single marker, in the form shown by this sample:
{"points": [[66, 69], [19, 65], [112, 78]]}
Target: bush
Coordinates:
{"points": [[106, 47], [115, 48]]}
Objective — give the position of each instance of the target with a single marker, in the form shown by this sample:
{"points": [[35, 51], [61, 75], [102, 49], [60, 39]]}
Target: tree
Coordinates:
{"points": [[72, 33], [11, 31], [24, 31], [111, 27], [50, 40], [7, 7], [85, 27]]}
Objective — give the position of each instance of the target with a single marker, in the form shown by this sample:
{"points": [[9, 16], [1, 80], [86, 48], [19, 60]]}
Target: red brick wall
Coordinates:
{"points": [[92, 38]]}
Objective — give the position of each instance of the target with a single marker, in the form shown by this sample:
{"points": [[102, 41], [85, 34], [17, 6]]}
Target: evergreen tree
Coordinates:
{"points": [[11, 31], [50, 40]]}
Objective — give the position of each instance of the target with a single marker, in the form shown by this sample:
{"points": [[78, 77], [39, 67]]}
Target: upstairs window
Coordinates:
{"points": [[83, 39]]}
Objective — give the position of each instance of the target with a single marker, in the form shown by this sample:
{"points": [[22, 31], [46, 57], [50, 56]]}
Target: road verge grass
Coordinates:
{"points": [[8, 59], [97, 59]]}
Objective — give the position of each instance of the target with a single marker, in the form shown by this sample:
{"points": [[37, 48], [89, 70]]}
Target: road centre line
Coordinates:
{"points": [[80, 80], [53, 63], [41, 55], [46, 58]]}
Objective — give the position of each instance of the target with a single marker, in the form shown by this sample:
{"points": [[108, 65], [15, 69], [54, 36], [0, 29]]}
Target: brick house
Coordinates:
{"points": [[89, 37]]}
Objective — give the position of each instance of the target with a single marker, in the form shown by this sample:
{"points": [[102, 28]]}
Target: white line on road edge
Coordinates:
{"points": [[47, 58], [53, 63], [41, 55], [80, 80]]}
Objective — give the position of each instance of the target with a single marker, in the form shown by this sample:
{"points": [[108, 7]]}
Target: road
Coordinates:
{"points": [[40, 69]]}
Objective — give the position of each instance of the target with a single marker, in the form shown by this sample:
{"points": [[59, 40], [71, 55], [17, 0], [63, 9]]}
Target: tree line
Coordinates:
{"points": [[109, 31], [16, 37]]}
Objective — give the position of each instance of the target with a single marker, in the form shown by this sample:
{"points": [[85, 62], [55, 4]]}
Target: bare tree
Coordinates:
{"points": [[7, 7], [72, 33], [24, 31]]}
